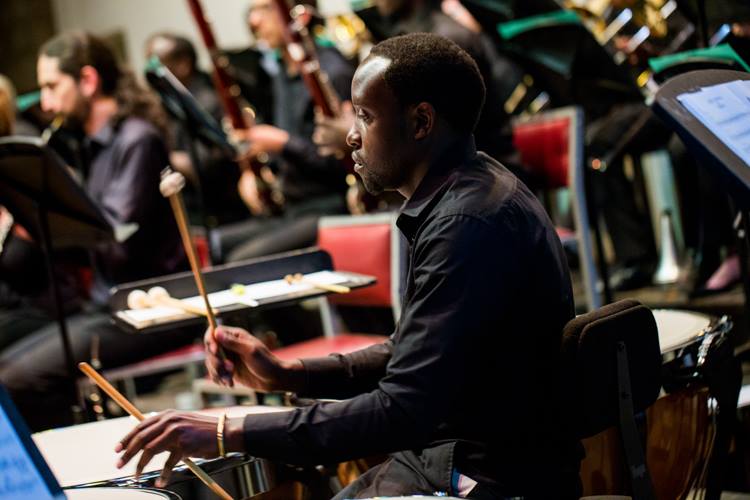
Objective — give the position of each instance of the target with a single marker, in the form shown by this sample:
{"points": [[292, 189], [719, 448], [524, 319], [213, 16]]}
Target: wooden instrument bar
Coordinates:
{"points": [[221, 278]]}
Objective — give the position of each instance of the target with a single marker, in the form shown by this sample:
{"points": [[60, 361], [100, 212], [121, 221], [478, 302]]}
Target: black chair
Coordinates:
{"points": [[611, 364]]}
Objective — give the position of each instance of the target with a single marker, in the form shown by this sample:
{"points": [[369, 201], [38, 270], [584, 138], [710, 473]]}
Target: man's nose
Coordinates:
{"points": [[353, 139], [45, 102], [254, 21]]}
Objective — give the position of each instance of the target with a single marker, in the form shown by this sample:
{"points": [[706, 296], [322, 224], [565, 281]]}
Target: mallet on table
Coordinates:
{"points": [[170, 186], [159, 296], [300, 278]]}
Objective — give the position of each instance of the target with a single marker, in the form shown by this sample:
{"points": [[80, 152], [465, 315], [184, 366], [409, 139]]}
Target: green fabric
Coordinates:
{"points": [[494, 6], [512, 29], [322, 40], [25, 101], [723, 52], [153, 64], [356, 5]]}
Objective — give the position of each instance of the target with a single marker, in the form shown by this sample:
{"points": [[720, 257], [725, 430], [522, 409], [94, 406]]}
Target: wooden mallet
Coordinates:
{"points": [[171, 186], [129, 407]]}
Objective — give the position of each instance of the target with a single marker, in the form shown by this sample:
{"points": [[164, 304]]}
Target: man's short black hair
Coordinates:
{"points": [[182, 48], [429, 68]]}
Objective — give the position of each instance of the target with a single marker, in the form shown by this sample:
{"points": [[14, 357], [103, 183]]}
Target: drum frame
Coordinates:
{"points": [[684, 365], [241, 475], [167, 495]]}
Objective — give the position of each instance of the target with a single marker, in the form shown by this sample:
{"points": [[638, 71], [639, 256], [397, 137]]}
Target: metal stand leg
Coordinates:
{"points": [[77, 404]]}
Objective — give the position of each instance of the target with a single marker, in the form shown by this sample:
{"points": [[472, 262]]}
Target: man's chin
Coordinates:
{"points": [[372, 188], [72, 121]]}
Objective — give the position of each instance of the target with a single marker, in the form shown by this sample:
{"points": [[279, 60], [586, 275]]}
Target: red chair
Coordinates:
{"points": [[551, 146], [366, 244]]}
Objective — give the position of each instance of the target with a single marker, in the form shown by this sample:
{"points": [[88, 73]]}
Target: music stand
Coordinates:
{"points": [[197, 123], [37, 189], [181, 104], [735, 176]]}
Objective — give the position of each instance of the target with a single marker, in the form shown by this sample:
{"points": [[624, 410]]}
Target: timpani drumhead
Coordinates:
{"points": [[94, 443], [119, 494], [679, 328]]}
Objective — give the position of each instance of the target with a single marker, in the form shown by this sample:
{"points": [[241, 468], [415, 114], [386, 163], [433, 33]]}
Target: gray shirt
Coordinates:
{"points": [[124, 168]]}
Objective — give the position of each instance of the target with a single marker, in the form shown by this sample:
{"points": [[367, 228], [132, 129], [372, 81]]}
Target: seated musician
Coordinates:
{"points": [[81, 80], [311, 184], [501, 75], [454, 394], [213, 177]]}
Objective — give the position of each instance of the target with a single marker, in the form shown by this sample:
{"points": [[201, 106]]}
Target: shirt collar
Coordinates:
{"points": [[416, 208], [104, 136]]}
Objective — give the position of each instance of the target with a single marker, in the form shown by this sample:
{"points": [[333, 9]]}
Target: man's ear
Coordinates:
{"points": [[89, 81], [423, 116]]}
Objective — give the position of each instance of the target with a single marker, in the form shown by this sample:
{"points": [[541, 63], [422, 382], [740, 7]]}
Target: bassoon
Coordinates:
{"points": [[300, 48], [229, 95]]}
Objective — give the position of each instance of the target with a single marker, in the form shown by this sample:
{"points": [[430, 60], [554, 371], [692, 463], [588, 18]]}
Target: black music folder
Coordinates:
{"points": [[181, 104], [39, 190], [35, 180]]}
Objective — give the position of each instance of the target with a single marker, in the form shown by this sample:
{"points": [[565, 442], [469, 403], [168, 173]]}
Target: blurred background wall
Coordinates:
{"points": [[26, 24]]}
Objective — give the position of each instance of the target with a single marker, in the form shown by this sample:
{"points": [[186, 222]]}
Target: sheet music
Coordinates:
{"points": [[725, 110], [19, 477]]}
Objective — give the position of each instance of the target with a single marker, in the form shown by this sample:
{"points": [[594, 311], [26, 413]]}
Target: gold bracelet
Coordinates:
{"points": [[220, 435]]}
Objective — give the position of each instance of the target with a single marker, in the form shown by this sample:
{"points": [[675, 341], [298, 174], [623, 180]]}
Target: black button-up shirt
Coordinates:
{"points": [[468, 379]]}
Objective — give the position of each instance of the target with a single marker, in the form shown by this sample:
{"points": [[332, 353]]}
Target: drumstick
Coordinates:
{"points": [[299, 278], [170, 186], [135, 412]]}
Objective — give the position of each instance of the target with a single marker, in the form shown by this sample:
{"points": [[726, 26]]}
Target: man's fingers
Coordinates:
{"points": [[319, 116], [327, 151], [156, 445], [231, 339], [124, 442], [212, 366], [138, 441], [209, 341], [219, 370], [166, 472]]}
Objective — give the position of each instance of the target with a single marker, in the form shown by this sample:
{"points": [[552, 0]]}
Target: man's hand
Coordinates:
{"points": [[249, 362], [330, 133], [182, 434], [266, 139], [247, 187], [181, 162]]}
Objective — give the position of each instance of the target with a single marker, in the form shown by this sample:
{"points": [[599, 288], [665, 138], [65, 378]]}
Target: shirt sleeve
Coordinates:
{"points": [[431, 360], [132, 191], [342, 376]]}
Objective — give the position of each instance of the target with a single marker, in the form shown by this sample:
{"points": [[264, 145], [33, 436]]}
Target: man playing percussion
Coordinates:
{"points": [[463, 395]]}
